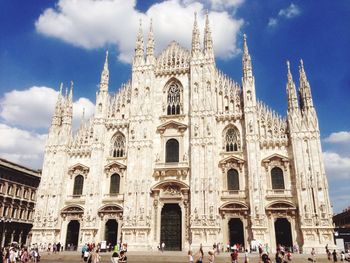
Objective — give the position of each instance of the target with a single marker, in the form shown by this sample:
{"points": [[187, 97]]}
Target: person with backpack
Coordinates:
{"points": [[234, 256]]}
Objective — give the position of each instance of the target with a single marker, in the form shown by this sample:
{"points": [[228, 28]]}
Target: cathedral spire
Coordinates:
{"points": [[105, 75], [305, 90], [70, 98], [196, 48], [150, 45], [291, 91], [208, 41], [246, 60], [139, 49], [57, 116]]}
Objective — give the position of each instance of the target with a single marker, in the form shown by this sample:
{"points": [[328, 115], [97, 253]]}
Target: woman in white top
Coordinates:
{"points": [[190, 257]]}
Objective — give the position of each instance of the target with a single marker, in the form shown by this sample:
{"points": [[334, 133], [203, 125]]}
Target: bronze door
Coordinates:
{"points": [[170, 232], [72, 235]]}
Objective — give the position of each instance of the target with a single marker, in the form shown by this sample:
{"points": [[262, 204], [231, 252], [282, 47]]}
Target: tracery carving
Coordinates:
{"points": [[174, 99], [118, 145], [232, 140]]}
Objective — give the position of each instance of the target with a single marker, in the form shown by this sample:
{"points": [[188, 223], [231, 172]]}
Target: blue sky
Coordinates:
{"points": [[44, 43]]}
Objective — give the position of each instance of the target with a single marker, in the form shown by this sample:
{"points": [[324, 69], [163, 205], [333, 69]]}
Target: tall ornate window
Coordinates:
{"points": [[115, 184], [232, 180], [277, 179], [232, 140], [174, 99], [118, 145], [78, 185], [172, 151]]}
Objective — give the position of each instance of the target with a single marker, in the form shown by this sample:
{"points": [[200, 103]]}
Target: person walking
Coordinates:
{"points": [[313, 255], [211, 257], [163, 246], [335, 256], [190, 257], [200, 255]]}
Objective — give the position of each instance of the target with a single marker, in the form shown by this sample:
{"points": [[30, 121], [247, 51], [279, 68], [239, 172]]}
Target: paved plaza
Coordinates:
{"points": [[171, 257]]}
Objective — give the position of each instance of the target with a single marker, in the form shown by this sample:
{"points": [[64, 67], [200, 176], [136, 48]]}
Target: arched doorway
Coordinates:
{"points": [[171, 227], [72, 234], [236, 232], [111, 232], [283, 233]]}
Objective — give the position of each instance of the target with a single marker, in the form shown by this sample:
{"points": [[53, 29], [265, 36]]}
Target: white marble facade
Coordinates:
{"points": [[182, 132]]}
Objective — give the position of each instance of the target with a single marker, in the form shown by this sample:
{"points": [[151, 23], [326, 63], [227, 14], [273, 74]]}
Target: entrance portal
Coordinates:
{"points": [[111, 232], [72, 235], [170, 232], [283, 233], [236, 232]]}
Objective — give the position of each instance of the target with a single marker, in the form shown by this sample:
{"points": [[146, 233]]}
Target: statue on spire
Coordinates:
{"points": [[150, 44], [291, 92], [246, 60], [196, 46], [208, 41], [304, 89], [105, 75], [139, 49]]}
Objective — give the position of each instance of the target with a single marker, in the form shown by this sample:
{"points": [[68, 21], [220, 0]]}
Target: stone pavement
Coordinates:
{"points": [[171, 257]]}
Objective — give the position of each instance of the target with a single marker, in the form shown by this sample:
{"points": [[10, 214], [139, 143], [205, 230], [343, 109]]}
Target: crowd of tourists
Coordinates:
{"points": [[15, 253], [90, 253]]}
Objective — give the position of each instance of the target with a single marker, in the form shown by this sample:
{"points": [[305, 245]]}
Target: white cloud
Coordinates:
{"points": [[287, 13], [94, 24], [337, 166], [33, 107], [21, 146], [272, 22], [225, 4], [80, 106], [30, 108], [338, 137], [290, 12]]}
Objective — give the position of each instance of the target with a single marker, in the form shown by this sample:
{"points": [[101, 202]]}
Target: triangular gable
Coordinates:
{"points": [[275, 156], [115, 164], [172, 124], [231, 159], [78, 169]]}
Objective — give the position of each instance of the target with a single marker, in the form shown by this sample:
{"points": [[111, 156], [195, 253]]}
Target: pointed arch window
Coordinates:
{"points": [[78, 185], [115, 184], [232, 140], [277, 178], [118, 145], [232, 180], [174, 99], [172, 151]]}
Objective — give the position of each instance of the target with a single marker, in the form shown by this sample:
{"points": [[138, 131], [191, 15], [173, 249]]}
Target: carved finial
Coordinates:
{"points": [[71, 90], [139, 45], [245, 46], [105, 75], [208, 42], [61, 87], [289, 74], [291, 91], [150, 43], [247, 63], [106, 60], [83, 115], [195, 36]]}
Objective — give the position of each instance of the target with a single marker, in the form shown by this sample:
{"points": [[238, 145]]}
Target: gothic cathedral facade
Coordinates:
{"points": [[184, 155]]}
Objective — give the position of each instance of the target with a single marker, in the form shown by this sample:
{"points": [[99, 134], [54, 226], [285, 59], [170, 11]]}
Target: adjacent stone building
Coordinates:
{"points": [[18, 185], [184, 155]]}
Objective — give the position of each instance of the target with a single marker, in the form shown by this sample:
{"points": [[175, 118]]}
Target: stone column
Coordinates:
{"points": [[4, 232], [20, 237], [12, 235]]}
